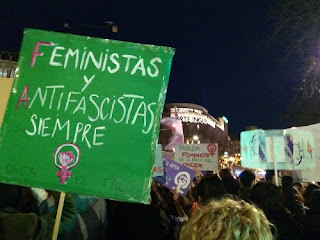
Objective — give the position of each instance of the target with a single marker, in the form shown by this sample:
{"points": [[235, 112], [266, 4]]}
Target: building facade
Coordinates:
{"points": [[8, 64], [198, 125]]}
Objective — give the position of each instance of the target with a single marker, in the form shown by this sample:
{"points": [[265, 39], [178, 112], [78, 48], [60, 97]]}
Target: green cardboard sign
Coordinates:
{"points": [[83, 115]]}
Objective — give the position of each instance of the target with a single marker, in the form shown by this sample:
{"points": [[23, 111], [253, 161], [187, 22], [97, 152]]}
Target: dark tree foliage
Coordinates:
{"points": [[296, 27]]}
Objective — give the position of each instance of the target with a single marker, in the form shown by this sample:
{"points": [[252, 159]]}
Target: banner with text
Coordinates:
{"points": [[310, 174], [158, 164], [289, 149], [83, 115], [177, 176], [198, 156]]}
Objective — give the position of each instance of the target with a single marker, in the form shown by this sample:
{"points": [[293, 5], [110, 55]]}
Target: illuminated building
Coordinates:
{"points": [[198, 125], [8, 64]]}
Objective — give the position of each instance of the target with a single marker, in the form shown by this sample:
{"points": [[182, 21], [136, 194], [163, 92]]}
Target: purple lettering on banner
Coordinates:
{"points": [[176, 176]]}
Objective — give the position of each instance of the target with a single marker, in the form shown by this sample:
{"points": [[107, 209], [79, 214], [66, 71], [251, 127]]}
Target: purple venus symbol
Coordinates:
{"points": [[66, 161]]}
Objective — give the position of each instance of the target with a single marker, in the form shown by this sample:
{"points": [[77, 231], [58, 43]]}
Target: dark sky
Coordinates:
{"points": [[222, 61]]}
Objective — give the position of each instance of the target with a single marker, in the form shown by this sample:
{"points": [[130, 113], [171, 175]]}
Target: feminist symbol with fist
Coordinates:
{"points": [[182, 179], [67, 159]]}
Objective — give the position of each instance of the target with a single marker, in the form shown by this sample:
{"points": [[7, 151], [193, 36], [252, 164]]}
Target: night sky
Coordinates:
{"points": [[222, 59]]}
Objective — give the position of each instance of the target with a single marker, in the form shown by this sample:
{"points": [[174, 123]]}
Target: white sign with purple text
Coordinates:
{"points": [[198, 156]]}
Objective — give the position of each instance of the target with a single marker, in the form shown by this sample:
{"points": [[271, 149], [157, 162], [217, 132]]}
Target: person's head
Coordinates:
{"points": [[315, 200], [247, 178], [231, 185], [229, 220], [268, 197], [307, 193], [210, 187], [269, 176], [225, 173], [287, 181]]}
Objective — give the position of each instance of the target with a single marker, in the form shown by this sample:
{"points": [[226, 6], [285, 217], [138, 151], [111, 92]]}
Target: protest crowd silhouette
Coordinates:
{"points": [[217, 206]]}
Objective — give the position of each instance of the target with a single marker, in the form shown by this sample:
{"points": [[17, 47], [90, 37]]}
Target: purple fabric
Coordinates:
{"points": [[177, 130]]}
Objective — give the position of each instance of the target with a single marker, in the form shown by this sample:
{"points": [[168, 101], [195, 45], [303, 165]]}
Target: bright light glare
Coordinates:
{"points": [[225, 119]]}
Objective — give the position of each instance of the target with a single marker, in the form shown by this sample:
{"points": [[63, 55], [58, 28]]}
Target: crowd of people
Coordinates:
{"points": [[217, 206]]}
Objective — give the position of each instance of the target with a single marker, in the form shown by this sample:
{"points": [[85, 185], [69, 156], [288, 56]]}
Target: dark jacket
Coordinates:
{"points": [[89, 222], [128, 221], [244, 194], [296, 207], [311, 223], [15, 224]]}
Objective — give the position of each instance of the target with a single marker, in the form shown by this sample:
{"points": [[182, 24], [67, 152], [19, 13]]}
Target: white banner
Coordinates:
{"points": [[198, 156], [289, 149], [310, 174]]}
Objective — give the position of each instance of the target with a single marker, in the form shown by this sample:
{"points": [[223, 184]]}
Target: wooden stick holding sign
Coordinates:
{"points": [[275, 163], [58, 216], [276, 173]]}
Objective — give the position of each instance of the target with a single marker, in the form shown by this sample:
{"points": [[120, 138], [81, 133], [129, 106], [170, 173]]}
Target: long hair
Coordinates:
{"points": [[229, 220], [210, 187], [307, 193], [269, 198]]}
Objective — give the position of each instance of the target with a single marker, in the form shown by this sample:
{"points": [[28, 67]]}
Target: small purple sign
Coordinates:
{"points": [[177, 176]]}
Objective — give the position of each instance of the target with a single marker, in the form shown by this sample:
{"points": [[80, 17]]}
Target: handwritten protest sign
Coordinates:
{"points": [[199, 156], [310, 174], [289, 149], [158, 164], [5, 87], [84, 115], [177, 176]]}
